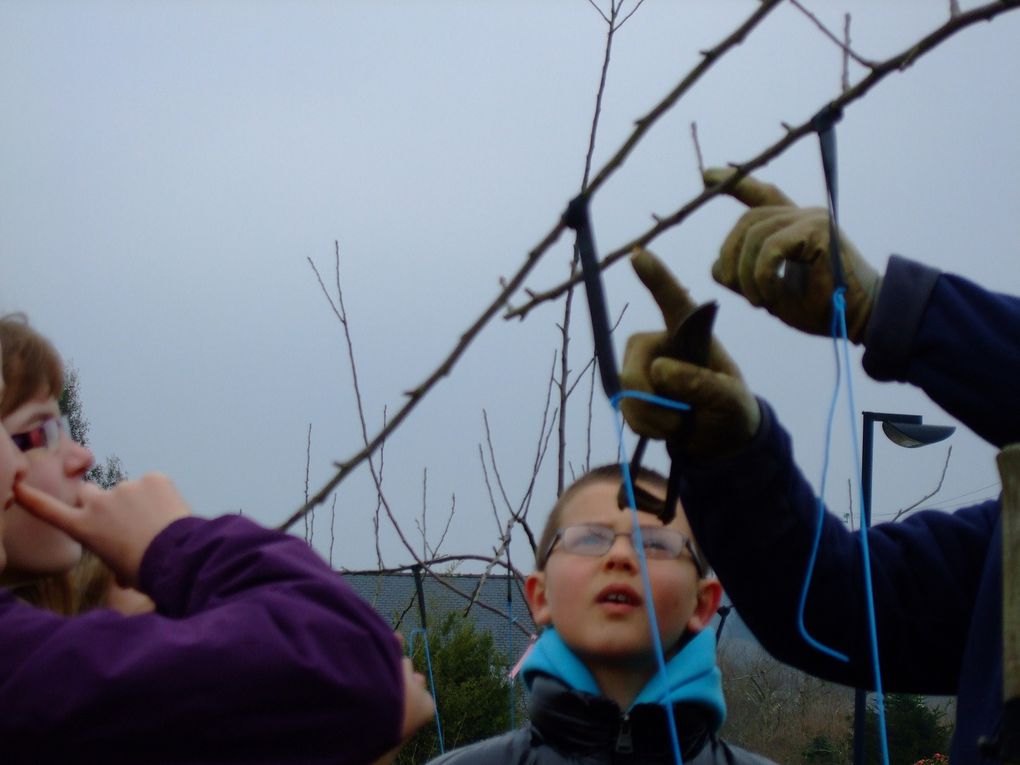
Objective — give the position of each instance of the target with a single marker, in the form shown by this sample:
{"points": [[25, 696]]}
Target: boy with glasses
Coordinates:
{"points": [[596, 690]]}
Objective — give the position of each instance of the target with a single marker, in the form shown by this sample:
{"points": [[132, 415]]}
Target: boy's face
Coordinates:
{"points": [[597, 604], [56, 467]]}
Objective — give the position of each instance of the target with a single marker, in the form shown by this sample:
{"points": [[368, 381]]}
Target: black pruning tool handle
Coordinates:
{"points": [[690, 341]]}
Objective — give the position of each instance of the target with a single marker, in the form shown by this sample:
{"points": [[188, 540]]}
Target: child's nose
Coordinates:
{"points": [[622, 553]]}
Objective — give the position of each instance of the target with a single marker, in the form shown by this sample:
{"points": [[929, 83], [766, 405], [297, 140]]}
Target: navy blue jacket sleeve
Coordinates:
{"points": [[756, 515], [953, 339], [258, 652]]}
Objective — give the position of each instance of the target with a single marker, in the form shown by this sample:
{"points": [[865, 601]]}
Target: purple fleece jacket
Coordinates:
{"points": [[937, 577], [258, 652]]}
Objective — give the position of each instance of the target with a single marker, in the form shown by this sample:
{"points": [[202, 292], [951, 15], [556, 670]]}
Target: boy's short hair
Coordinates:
{"points": [[31, 365], [612, 473]]}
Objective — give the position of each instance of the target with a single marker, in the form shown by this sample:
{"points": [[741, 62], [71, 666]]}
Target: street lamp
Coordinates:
{"points": [[903, 430]]}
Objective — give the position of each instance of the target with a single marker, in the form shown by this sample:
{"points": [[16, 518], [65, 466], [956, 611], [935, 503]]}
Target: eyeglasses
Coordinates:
{"points": [[594, 541], [45, 435]]}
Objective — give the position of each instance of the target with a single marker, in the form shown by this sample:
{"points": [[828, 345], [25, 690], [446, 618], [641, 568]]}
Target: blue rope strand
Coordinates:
{"points": [[839, 302], [840, 341], [820, 516], [639, 546], [432, 682]]}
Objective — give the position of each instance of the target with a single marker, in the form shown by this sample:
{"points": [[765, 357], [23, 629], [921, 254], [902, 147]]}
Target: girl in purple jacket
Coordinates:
{"points": [[257, 651]]}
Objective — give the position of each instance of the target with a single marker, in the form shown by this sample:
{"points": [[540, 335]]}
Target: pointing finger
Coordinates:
{"points": [[48, 508], [750, 191], [673, 299]]}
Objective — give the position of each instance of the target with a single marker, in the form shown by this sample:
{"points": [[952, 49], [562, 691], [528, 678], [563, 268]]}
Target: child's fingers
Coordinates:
{"points": [[89, 493], [50, 509]]}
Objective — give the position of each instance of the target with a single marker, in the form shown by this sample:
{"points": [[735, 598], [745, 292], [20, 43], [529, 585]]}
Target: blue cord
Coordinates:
{"points": [[639, 547], [839, 339], [839, 303], [812, 559], [432, 682]]}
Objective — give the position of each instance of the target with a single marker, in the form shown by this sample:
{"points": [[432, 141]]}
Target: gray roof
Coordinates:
{"points": [[394, 596]]}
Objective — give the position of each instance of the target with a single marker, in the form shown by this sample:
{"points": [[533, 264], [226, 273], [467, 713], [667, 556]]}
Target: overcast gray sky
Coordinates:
{"points": [[167, 168]]}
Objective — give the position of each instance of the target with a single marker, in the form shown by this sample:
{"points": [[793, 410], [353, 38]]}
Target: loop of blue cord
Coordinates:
{"points": [[639, 547], [839, 339], [432, 682], [824, 123]]}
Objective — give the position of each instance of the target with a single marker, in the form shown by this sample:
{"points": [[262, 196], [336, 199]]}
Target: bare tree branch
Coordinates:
{"points": [[697, 149], [930, 494], [446, 528], [332, 532], [843, 44], [510, 286], [308, 461], [561, 452], [422, 525], [898, 62], [845, 80], [594, 5], [415, 396], [632, 12]]}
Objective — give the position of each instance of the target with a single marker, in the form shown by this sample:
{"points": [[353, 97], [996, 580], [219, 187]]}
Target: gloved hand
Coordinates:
{"points": [[724, 414], [777, 256]]}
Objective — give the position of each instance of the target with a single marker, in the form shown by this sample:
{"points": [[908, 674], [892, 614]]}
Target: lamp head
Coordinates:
{"points": [[911, 436]]}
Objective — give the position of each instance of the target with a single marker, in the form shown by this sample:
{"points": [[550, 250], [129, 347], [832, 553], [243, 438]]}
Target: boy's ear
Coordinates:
{"points": [[709, 596], [534, 590]]}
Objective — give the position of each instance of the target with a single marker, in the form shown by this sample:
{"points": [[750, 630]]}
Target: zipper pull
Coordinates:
{"points": [[624, 742]]}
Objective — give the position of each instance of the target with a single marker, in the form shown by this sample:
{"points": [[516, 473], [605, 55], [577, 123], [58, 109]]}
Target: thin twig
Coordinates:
{"points": [[564, 327], [378, 497], [697, 149], [332, 533], [845, 80], [424, 507], [601, 12], [345, 468], [632, 12], [938, 487], [847, 50], [308, 462], [488, 485], [446, 528]]}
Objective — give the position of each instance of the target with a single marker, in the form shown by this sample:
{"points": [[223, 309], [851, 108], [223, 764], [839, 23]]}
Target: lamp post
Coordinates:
{"points": [[904, 430]]}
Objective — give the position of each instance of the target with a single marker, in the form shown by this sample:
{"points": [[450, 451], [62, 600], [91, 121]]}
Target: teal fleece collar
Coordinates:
{"points": [[691, 676]]}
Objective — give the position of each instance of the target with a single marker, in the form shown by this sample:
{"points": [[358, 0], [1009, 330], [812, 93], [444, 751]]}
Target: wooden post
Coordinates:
{"points": [[1006, 745]]}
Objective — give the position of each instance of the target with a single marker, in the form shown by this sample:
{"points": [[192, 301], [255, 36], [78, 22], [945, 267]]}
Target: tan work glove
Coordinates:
{"points": [[724, 414], [777, 256]]}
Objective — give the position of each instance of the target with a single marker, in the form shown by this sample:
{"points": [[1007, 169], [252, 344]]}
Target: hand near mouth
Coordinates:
{"points": [[116, 524]]}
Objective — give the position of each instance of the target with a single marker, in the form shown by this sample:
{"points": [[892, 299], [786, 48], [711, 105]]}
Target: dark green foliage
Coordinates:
{"points": [[915, 730], [107, 474], [822, 751], [472, 691], [71, 406]]}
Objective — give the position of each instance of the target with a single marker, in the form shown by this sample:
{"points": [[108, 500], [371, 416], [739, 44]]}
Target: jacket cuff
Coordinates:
{"points": [[896, 317]]}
